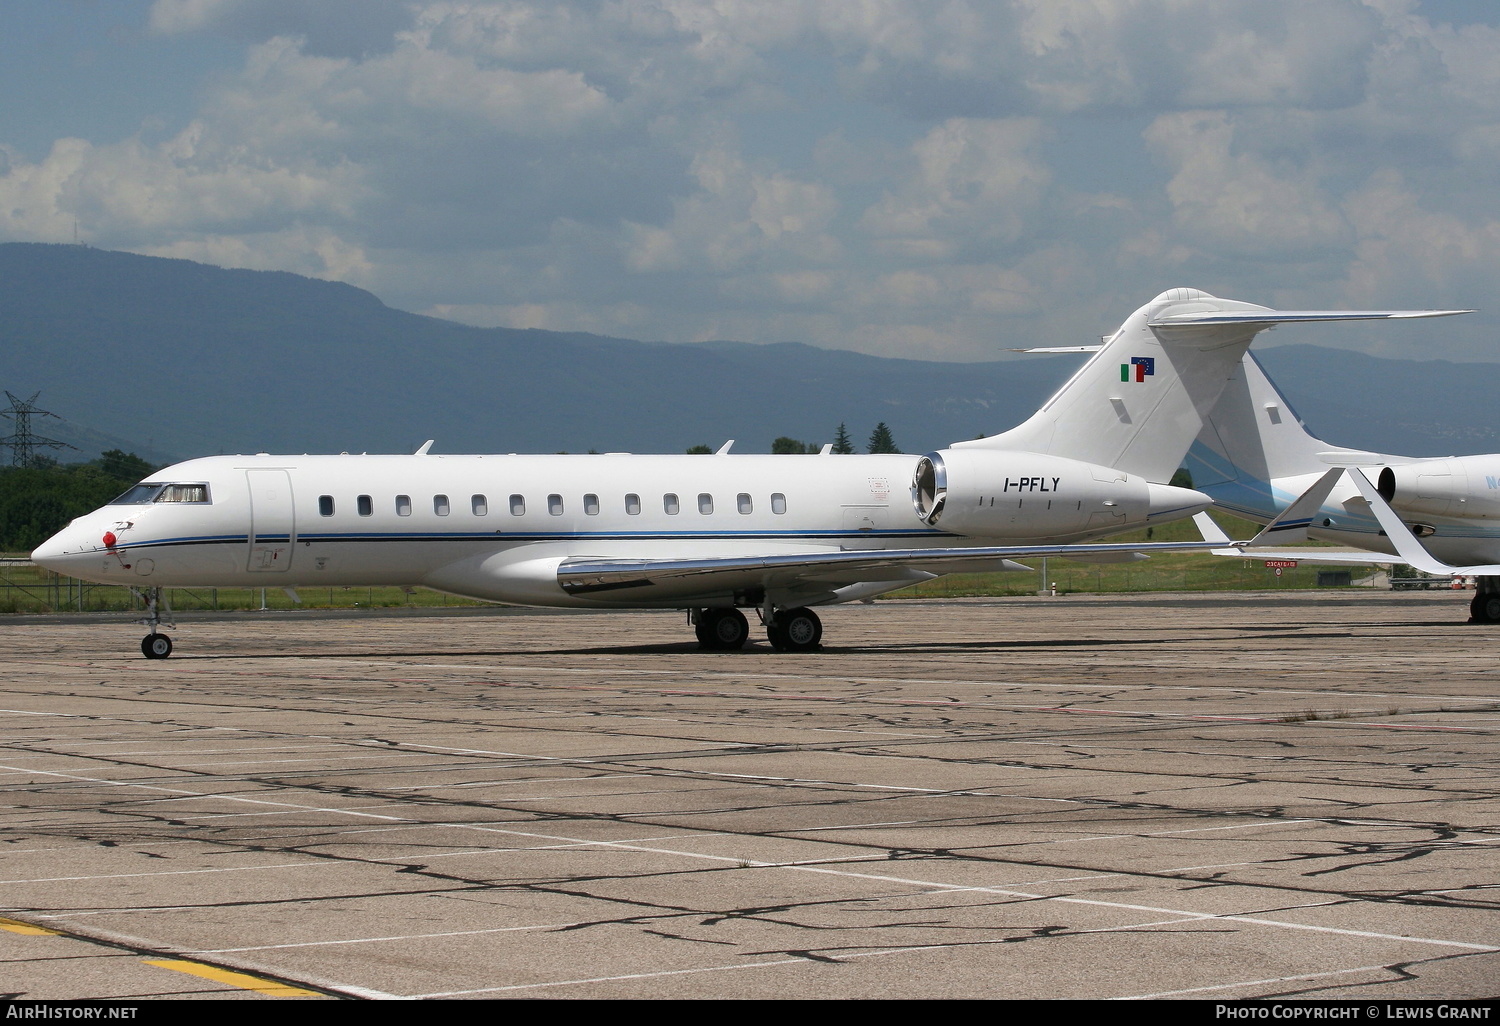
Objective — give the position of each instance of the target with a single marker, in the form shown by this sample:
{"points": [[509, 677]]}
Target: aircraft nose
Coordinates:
{"points": [[67, 550]]}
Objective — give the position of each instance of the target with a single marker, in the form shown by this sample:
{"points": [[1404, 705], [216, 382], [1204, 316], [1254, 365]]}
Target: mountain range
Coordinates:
{"points": [[171, 359]]}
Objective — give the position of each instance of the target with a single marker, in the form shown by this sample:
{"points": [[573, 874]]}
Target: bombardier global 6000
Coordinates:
{"points": [[714, 535]]}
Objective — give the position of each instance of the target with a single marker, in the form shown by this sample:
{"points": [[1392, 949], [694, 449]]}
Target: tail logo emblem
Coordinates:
{"points": [[1138, 369]]}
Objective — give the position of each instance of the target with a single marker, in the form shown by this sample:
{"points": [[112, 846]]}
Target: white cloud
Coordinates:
{"points": [[916, 177], [1228, 200], [973, 179], [1414, 254], [172, 16], [737, 215], [314, 252]]}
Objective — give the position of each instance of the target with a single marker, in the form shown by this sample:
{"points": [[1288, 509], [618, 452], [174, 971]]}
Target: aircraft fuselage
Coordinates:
{"points": [[498, 527]]}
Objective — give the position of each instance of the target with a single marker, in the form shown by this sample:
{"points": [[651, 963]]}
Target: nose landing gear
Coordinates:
{"points": [[155, 645]]}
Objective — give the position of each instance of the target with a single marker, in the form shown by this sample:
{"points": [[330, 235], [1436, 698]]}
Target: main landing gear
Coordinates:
{"points": [[155, 645], [1485, 606], [721, 630], [788, 630], [795, 630]]}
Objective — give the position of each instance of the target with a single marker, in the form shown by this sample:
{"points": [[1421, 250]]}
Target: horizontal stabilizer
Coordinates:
{"points": [[1268, 317], [1353, 458], [1059, 349]]}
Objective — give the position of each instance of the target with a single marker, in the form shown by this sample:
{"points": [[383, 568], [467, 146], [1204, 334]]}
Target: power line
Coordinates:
{"points": [[24, 443]]}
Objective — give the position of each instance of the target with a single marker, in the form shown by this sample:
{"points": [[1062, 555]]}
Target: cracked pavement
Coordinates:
{"points": [[1220, 797]]}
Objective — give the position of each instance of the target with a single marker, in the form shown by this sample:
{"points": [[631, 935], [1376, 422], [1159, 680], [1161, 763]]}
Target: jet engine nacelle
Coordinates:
{"points": [[980, 493], [1464, 486]]}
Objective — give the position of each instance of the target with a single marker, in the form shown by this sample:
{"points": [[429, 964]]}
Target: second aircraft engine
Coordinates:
{"points": [[1465, 486]]}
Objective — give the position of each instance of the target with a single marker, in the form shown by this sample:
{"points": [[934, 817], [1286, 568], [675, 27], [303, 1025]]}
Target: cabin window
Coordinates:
{"points": [[440, 505], [669, 503], [325, 505], [366, 505], [183, 493], [633, 504], [403, 505], [480, 505], [555, 505], [591, 505], [778, 503], [743, 504], [518, 505], [705, 503]]}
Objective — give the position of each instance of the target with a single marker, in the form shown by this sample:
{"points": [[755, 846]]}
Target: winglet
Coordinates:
{"points": [[1407, 547], [425, 446], [723, 450], [1291, 523], [1212, 532]]}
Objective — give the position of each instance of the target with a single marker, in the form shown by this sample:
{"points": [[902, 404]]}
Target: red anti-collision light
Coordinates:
{"points": [[110, 539]]}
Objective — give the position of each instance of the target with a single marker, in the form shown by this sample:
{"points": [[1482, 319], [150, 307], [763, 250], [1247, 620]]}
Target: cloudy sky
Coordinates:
{"points": [[935, 179]]}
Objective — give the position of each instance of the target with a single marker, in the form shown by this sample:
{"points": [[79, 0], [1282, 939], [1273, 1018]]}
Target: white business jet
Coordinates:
{"points": [[1258, 460], [710, 534]]}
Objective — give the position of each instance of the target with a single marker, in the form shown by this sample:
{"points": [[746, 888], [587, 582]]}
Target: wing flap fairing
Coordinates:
{"points": [[584, 575]]}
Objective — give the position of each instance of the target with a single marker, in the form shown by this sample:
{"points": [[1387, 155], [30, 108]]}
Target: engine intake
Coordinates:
{"points": [[1465, 486]]}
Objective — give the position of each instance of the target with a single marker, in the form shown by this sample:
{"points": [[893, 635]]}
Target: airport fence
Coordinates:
{"points": [[27, 588]]}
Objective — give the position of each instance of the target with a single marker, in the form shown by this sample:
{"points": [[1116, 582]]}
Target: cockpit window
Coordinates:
{"points": [[157, 492], [183, 493], [139, 494]]}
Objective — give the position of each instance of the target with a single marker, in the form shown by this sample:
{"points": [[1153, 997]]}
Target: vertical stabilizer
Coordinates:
{"points": [[1254, 453], [1139, 402], [1253, 434]]}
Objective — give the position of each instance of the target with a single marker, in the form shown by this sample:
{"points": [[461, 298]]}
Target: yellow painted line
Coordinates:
{"points": [[242, 980], [16, 926]]}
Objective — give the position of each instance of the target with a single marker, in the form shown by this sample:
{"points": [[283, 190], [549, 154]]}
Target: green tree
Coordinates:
{"points": [[699, 450], [785, 446], [881, 440], [1182, 479], [126, 466], [842, 443]]}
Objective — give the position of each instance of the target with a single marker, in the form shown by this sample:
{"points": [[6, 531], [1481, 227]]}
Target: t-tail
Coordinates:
{"points": [[1137, 404]]}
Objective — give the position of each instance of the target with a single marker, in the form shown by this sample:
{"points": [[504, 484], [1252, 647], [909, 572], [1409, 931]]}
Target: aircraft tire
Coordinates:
{"points": [[795, 630], [1485, 607], [723, 630], [156, 646]]}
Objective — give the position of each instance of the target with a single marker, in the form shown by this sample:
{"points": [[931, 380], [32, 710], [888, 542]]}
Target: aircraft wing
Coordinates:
{"points": [[585, 575], [1408, 549], [1316, 555]]}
